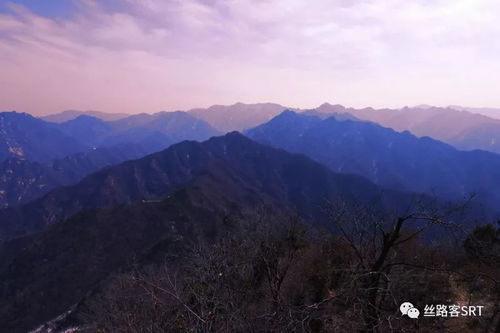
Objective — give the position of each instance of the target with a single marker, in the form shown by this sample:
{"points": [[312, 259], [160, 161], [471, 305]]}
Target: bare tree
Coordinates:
{"points": [[275, 275], [378, 243]]}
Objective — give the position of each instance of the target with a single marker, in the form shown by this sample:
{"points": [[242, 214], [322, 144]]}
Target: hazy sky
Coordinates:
{"points": [[152, 55]]}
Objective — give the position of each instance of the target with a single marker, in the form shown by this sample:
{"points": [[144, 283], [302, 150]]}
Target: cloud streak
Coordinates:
{"points": [[150, 55]]}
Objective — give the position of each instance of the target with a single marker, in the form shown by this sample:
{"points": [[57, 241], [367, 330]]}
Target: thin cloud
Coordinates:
{"points": [[149, 55]]}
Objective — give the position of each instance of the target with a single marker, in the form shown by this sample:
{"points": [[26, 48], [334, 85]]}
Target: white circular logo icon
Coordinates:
{"points": [[408, 309]]}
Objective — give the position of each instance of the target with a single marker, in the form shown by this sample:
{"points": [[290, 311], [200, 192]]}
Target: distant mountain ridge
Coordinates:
{"points": [[489, 112], [24, 136], [72, 114], [156, 130], [389, 158], [461, 128], [37, 156], [239, 116]]}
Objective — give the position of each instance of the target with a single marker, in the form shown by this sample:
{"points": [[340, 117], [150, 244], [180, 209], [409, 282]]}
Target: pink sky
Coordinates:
{"points": [[152, 55]]}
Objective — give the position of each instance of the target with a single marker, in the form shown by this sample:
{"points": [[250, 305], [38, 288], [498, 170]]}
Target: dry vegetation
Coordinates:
{"points": [[289, 279]]}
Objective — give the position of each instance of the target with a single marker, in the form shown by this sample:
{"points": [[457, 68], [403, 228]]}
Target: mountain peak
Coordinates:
{"points": [[231, 137], [287, 113], [331, 108], [290, 116], [234, 134]]}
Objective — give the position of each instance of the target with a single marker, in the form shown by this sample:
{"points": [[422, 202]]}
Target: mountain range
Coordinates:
{"points": [[155, 176], [24, 136], [39, 156], [191, 191], [83, 198], [157, 130], [463, 127], [490, 112], [239, 116], [224, 118], [459, 127], [23, 180], [72, 114], [387, 157]]}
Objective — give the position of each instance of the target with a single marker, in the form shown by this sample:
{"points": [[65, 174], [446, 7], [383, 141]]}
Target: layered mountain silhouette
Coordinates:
{"points": [[80, 199], [38, 156], [157, 131], [385, 156], [239, 116], [490, 112], [72, 114], [277, 176], [464, 128], [57, 249], [26, 137], [457, 126], [168, 200], [22, 180]]}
